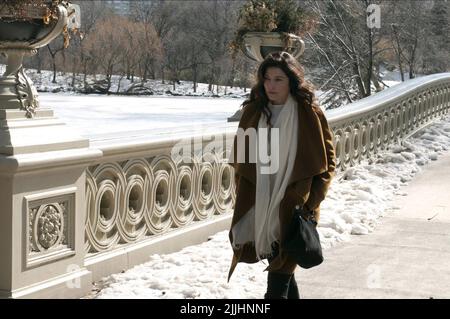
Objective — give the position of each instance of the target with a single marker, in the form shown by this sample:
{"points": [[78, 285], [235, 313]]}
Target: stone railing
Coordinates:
{"points": [[363, 128], [138, 192], [74, 210], [142, 197], [131, 195]]}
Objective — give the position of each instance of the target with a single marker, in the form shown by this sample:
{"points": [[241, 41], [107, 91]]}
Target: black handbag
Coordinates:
{"points": [[303, 242]]}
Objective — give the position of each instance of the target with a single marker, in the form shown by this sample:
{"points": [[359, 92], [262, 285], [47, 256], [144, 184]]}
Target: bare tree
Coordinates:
{"points": [[107, 46], [214, 33], [347, 49], [163, 15], [148, 49], [54, 48], [91, 13], [409, 21]]}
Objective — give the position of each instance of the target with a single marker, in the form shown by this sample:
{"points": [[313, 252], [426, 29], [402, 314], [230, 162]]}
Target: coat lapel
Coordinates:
{"points": [[311, 156]]}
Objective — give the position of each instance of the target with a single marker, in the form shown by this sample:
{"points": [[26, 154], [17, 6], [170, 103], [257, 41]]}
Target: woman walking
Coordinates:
{"points": [[304, 160]]}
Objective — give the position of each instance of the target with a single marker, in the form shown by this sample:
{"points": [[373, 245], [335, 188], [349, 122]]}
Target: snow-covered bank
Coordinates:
{"points": [[357, 199], [121, 85]]}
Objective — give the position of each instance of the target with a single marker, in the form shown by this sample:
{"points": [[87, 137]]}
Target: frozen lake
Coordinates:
{"points": [[100, 116]]}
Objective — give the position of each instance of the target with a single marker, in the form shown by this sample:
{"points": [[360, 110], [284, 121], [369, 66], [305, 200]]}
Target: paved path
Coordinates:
{"points": [[407, 256]]}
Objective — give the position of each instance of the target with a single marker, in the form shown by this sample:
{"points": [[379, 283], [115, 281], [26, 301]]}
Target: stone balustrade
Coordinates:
{"points": [[367, 126], [137, 197], [74, 211]]}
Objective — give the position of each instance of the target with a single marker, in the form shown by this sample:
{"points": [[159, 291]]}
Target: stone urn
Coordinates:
{"points": [[25, 26], [23, 30], [257, 45]]}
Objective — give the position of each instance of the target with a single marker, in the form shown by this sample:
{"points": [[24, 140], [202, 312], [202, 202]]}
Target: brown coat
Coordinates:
{"points": [[313, 170]]}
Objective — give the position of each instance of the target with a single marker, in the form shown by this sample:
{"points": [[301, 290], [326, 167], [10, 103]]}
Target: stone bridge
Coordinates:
{"points": [[74, 210]]}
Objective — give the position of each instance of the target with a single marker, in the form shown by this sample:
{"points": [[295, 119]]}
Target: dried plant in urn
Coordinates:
{"points": [[276, 24]]}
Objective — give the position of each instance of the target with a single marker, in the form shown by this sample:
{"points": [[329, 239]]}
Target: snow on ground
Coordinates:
{"points": [[391, 78], [357, 198], [119, 84]]}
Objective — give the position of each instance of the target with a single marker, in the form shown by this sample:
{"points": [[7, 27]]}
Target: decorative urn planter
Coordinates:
{"points": [[43, 165], [257, 45], [20, 36]]}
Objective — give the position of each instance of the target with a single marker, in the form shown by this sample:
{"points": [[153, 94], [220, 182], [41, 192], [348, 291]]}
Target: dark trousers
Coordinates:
{"points": [[281, 285]]}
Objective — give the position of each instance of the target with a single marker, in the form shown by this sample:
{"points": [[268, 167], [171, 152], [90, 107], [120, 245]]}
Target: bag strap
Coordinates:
{"points": [[307, 215]]}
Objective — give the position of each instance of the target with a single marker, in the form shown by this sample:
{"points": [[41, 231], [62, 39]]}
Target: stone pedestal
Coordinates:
{"points": [[42, 206]]}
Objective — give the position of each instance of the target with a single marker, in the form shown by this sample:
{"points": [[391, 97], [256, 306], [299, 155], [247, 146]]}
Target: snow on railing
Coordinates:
{"points": [[371, 124], [137, 190]]}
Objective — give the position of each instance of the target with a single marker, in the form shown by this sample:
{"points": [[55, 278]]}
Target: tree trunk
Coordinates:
{"points": [[118, 86], [194, 71], [109, 77], [85, 76], [144, 76], [400, 66], [370, 66], [73, 78], [54, 69], [152, 69], [39, 59], [359, 81], [375, 78], [412, 60], [399, 52]]}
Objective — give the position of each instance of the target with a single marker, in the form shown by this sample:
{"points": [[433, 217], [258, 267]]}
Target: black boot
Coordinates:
{"points": [[277, 285], [293, 292]]}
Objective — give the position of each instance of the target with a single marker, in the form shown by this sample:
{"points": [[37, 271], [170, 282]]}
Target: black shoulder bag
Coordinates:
{"points": [[303, 242]]}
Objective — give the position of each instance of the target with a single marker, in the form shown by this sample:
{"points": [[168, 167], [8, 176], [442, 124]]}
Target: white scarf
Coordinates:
{"points": [[261, 224], [268, 197]]}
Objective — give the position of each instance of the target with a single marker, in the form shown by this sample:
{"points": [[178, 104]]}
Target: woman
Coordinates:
{"points": [[281, 101]]}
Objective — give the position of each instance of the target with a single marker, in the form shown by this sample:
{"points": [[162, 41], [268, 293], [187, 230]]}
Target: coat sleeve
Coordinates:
{"points": [[320, 183]]}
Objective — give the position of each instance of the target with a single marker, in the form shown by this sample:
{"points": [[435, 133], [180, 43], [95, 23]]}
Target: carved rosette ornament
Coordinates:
{"points": [[47, 226]]}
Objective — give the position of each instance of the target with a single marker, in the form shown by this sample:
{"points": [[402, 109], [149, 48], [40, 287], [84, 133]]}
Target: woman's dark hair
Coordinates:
{"points": [[301, 90]]}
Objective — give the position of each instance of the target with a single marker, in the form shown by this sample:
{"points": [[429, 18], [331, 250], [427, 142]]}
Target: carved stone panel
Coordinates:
{"points": [[49, 226]]}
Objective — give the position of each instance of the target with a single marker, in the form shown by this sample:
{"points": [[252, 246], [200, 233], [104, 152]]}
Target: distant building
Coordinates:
{"points": [[121, 7]]}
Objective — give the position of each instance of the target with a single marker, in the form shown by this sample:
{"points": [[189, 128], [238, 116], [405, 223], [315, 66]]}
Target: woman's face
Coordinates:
{"points": [[276, 85]]}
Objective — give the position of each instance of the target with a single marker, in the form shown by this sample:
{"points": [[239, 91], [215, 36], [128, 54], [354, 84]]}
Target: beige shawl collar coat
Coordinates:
{"points": [[313, 170]]}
